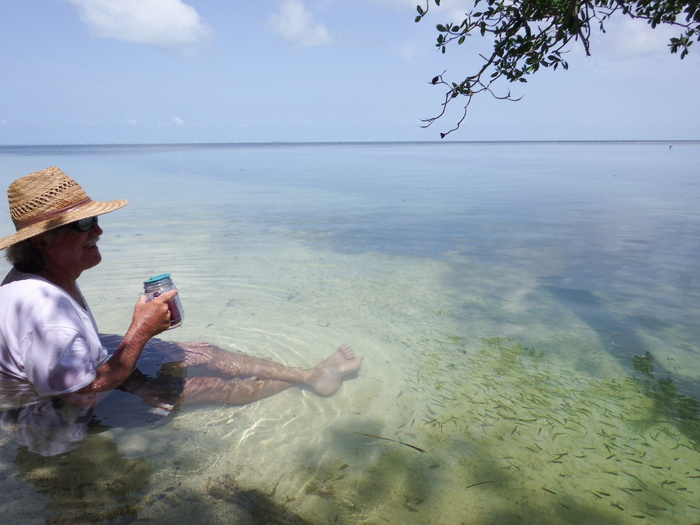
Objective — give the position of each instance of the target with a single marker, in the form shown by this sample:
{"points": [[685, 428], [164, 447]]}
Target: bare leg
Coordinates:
{"points": [[230, 391], [260, 378], [214, 359]]}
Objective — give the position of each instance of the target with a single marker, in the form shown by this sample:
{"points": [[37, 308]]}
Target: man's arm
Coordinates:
{"points": [[149, 319]]}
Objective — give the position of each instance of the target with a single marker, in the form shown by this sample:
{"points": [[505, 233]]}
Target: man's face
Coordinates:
{"points": [[72, 251]]}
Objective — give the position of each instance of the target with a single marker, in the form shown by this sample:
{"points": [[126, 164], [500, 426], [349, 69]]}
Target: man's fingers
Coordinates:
{"points": [[166, 296]]}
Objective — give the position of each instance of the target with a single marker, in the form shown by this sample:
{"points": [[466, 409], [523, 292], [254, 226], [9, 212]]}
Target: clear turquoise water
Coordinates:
{"points": [[529, 314]]}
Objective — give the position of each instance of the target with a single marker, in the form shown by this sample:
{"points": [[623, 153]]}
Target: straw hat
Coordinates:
{"points": [[47, 199]]}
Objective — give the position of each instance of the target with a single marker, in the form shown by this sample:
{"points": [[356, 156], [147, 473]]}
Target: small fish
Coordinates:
{"points": [[389, 439]]}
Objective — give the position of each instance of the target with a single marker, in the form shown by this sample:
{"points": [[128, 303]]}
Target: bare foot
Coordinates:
{"points": [[326, 377]]}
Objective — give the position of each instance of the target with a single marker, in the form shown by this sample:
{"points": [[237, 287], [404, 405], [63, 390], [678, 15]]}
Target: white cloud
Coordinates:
{"points": [[296, 24], [452, 11], [160, 23], [628, 38], [399, 4], [174, 121], [132, 122]]}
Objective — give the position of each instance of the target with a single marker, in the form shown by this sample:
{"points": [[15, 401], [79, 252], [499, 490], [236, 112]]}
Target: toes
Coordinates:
{"points": [[347, 351]]}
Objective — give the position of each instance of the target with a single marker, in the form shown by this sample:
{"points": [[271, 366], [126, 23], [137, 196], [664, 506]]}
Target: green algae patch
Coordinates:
{"points": [[512, 435], [553, 440]]}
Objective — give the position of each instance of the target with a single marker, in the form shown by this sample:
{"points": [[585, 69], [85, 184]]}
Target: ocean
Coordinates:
{"points": [[529, 315]]}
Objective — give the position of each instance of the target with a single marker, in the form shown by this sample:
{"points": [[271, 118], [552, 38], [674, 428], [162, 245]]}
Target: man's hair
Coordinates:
{"points": [[25, 256]]}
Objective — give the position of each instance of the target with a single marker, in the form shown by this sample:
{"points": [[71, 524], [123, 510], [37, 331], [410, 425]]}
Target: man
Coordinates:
{"points": [[49, 339]]}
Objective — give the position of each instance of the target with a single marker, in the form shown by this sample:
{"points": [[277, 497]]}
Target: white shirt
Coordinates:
{"points": [[46, 337]]}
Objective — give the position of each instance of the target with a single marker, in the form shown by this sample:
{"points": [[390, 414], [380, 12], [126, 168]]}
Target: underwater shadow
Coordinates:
{"points": [[674, 397], [394, 482], [94, 483], [259, 508]]}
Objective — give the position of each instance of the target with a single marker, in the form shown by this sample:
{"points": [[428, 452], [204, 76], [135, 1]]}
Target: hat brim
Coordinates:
{"points": [[89, 209]]}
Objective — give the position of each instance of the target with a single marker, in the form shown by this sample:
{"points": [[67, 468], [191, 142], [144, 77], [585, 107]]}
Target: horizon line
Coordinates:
{"points": [[283, 142]]}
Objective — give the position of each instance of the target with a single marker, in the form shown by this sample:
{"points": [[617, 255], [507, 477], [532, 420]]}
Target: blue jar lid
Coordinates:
{"points": [[158, 278]]}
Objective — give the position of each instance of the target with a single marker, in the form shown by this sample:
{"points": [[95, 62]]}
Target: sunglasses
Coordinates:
{"points": [[82, 225]]}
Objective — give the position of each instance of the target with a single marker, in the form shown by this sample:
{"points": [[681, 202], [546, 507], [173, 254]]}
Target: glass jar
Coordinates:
{"points": [[160, 284]]}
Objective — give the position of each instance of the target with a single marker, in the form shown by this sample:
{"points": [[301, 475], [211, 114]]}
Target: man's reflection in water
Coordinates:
{"points": [[47, 428], [62, 451]]}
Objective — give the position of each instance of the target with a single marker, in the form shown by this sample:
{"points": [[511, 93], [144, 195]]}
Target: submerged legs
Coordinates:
{"points": [[230, 391], [249, 378]]}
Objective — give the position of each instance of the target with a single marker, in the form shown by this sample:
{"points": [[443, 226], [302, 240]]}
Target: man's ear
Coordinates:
{"points": [[40, 242]]}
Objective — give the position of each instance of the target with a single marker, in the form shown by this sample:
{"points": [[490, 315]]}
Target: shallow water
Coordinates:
{"points": [[528, 312]]}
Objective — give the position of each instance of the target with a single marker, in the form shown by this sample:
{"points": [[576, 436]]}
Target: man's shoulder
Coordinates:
{"points": [[25, 293], [15, 275], [20, 282]]}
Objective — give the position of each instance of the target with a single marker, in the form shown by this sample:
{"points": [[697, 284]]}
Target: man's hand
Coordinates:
{"points": [[151, 317]]}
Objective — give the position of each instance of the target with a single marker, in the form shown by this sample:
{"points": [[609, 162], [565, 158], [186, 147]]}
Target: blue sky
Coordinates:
{"points": [[143, 71]]}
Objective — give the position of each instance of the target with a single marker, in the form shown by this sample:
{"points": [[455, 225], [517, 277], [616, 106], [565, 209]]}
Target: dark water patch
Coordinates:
{"points": [[93, 484], [254, 505]]}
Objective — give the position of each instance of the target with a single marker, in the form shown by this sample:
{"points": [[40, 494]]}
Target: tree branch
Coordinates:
{"points": [[519, 51]]}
